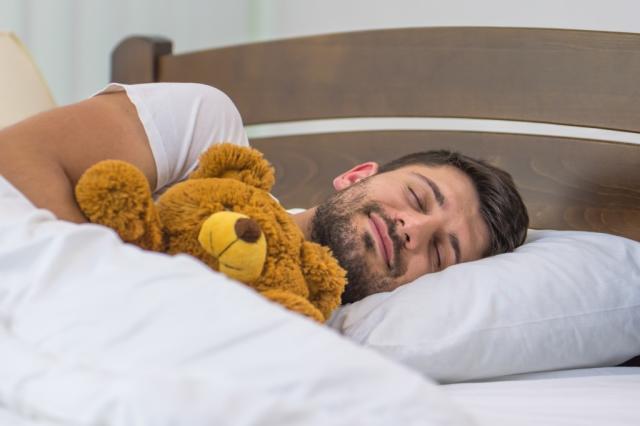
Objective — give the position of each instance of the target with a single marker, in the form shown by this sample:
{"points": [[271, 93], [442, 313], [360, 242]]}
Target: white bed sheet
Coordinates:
{"points": [[582, 397]]}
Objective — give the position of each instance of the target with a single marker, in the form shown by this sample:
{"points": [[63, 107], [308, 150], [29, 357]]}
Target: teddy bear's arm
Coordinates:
{"points": [[116, 194], [325, 278]]}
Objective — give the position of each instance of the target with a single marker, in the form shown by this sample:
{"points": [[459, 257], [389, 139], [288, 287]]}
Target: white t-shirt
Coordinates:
{"points": [[181, 120]]}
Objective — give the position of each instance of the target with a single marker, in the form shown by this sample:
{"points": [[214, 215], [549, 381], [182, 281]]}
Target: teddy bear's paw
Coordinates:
{"points": [[235, 162], [294, 303], [116, 194], [325, 278]]}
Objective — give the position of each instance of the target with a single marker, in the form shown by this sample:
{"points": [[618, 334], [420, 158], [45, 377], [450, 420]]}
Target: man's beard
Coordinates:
{"points": [[333, 226]]}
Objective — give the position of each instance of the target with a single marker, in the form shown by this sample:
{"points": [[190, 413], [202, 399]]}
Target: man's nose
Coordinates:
{"points": [[415, 230]]}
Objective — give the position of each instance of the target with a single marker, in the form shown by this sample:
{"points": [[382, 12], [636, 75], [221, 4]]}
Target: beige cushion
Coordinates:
{"points": [[23, 90]]}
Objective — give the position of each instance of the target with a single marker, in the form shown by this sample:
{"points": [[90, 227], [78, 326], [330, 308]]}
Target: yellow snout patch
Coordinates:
{"points": [[237, 242]]}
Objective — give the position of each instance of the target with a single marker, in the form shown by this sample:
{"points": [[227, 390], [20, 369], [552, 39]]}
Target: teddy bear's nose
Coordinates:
{"points": [[247, 230]]}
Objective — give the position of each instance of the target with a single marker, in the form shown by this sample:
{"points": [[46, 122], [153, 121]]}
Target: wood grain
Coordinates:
{"points": [[135, 59], [555, 76]]}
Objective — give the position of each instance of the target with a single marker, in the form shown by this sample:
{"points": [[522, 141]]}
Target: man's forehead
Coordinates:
{"points": [[443, 175]]}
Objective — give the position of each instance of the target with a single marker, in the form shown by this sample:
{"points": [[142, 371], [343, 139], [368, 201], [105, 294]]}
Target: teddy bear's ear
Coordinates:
{"points": [[324, 276], [235, 162]]}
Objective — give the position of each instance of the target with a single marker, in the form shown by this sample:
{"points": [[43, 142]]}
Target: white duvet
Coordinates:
{"points": [[96, 332]]}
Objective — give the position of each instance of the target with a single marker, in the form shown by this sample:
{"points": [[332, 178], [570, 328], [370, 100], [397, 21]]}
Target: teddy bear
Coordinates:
{"points": [[225, 216]]}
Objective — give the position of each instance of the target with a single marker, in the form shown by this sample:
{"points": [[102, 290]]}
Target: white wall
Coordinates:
{"points": [[71, 40], [299, 17]]}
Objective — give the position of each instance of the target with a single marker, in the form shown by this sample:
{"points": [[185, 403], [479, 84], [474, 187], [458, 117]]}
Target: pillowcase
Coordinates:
{"points": [[565, 299]]}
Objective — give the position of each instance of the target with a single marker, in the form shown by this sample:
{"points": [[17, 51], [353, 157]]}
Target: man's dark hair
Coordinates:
{"points": [[501, 206]]}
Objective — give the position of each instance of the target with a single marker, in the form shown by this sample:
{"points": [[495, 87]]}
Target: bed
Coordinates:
{"points": [[545, 335], [582, 79]]}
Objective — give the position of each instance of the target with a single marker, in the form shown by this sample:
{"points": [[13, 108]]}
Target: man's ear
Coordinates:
{"points": [[354, 175]]}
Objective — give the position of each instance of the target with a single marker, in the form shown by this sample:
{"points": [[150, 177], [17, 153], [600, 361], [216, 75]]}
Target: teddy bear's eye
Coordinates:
{"points": [[227, 207]]}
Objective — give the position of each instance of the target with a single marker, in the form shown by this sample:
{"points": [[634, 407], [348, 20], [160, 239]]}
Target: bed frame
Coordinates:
{"points": [[577, 78]]}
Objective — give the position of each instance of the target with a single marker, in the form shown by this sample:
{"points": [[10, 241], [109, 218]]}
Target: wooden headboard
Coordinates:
{"points": [[576, 78]]}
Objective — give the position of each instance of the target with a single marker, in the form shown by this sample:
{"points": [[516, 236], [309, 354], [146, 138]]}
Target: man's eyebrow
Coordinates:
{"points": [[434, 187], [453, 238]]}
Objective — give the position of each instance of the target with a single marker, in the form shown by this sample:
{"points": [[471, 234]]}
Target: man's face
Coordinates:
{"points": [[388, 229]]}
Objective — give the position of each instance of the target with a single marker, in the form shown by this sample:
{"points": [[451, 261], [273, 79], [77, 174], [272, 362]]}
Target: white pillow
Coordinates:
{"points": [[564, 299]]}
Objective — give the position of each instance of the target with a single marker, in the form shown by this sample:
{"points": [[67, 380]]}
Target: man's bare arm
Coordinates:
{"points": [[45, 155]]}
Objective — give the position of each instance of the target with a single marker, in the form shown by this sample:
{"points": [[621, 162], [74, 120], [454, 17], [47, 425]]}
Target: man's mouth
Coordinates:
{"points": [[381, 235]]}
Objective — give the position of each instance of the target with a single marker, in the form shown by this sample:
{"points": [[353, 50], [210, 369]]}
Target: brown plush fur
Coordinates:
{"points": [[301, 275]]}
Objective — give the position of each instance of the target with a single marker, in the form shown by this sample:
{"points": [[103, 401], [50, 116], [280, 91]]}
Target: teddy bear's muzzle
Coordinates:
{"points": [[237, 242]]}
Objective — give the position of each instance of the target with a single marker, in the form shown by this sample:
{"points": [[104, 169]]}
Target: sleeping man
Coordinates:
{"points": [[387, 225]]}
